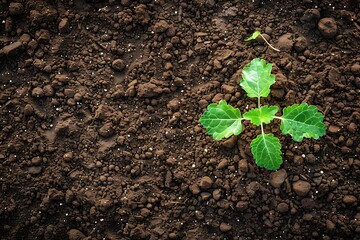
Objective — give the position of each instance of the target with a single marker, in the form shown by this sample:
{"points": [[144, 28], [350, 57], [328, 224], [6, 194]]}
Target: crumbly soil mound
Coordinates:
{"points": [[99, 113]]}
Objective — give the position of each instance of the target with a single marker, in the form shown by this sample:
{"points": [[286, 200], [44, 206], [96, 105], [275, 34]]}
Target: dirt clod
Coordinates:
{"points": [[12, 48], [118, 64], [224, 227], [349, 199], [301, 188], [75, 234], [327, 27], [205, 183], [277, 178]]}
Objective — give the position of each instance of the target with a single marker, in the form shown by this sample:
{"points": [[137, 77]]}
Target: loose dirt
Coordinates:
{"points": [[99, 113]]}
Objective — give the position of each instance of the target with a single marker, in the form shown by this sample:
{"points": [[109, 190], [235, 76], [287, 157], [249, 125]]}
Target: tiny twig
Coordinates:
{"points": [[278, 50]]}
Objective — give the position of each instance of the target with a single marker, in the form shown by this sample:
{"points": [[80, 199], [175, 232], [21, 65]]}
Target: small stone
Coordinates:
{"points": [[223, 164], [16, 8], [216, 194], [174, 104], [352, 127], [36, 161], [64, 25], [149, 90], [242, 206], [194, 189], [230, 143], [349, 199], [327, 27], [301, 188], [48, 91], [68, 156], [282, 207], [228, 88], [118, 64], [28, 110], [161, 26], [203, 103], [37, 92], [330, 225], [104, 204], [334, 129], [34, 170], [308, 203], [224, 227], [75, 234], [243, 166], [277, 178], [106, 130], [69, 196], [355, 69], [12, 48], [206, 182]]}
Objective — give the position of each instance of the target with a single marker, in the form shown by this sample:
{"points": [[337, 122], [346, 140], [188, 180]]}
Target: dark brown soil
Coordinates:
{"points": [[100, 104]]}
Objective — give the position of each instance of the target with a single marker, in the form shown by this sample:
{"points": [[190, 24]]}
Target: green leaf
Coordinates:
{"points": [[257, 78], [267, 151], [253, 36], [221, 120], [302, 121], [265, 114]]}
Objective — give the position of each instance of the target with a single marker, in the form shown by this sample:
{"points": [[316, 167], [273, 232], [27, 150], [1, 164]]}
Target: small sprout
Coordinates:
{"points": [[299, 120], [258, 33]]}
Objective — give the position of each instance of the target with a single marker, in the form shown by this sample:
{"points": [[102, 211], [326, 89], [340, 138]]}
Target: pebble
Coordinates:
{"points": [[349, 199], [333, 129], [203, 103], [48, 91], [64, 25], [206, 182], [301, 188], [352, 127], [174, 104], [243, 166], [230, 143], [224, 227], [223, 164], [37, 92], [16, 8], [327, 27], [75, 234], [68, 156], [330, 225], [34, 170], [12, 48], [308, 203], [216, 194], [242, 206], [355, 69], [277, 178], [28, 110], [161, 26], [194, 189], [118, 64], [104, 204], [282, 207], [106, 130]]}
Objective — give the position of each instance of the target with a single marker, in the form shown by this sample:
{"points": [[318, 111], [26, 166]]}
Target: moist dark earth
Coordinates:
{"points": [[100, 104]]}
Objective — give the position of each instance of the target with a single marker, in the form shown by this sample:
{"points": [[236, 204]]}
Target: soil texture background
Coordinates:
{"points": [[99, 120]]}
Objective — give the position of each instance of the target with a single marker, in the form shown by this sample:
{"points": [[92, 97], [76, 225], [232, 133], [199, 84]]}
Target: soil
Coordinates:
{"points": [[100, 104]]}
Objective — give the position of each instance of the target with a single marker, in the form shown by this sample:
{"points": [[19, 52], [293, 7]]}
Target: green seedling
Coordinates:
{"points": [[221, 120], [256, 34]]}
